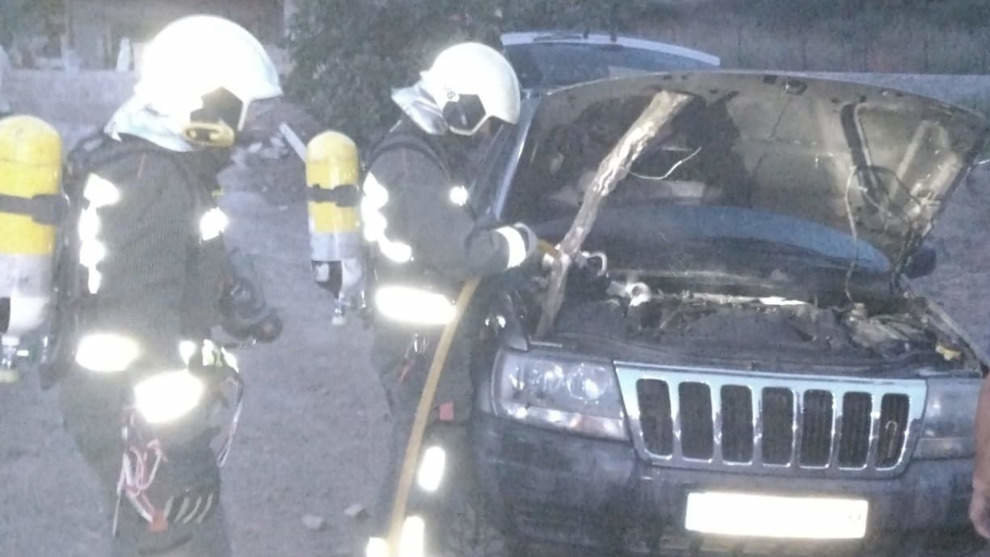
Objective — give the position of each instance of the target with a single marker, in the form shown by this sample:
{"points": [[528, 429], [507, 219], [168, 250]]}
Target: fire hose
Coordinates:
{"points": [[420, 422]]}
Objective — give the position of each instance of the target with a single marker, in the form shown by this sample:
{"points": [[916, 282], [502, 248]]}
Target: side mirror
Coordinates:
{"points": [[921, 264]]}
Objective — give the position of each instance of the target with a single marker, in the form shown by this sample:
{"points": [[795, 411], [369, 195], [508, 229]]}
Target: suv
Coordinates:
{"points": [[744, 368]]}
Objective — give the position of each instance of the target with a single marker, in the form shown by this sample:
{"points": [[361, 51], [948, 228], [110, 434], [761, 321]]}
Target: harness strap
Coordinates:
{"points": [[43, 209], [342, 196]]}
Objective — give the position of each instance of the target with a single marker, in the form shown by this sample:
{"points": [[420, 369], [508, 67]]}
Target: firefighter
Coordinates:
{"points": [[416, 210], [149, 278]]}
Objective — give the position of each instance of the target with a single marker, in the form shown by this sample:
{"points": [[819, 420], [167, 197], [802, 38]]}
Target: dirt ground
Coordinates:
{"points": [[311, 438]]}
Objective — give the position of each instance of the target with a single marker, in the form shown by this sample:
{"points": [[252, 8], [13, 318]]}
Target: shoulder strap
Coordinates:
{"points": [[403, 138], [98, 150]]}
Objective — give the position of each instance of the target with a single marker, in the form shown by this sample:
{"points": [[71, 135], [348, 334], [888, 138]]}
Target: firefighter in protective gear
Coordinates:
{"points": [[416, 210], [141, 379]]}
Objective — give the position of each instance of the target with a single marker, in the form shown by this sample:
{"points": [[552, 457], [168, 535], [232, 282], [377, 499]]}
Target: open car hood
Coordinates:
{"points": [[873, 163]]}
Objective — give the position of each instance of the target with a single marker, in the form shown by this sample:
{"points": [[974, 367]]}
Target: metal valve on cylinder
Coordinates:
{"points": [[336, 249], [30, 202]]}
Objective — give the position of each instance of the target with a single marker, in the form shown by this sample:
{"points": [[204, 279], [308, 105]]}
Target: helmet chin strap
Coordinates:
{"points": [[209, 134]]}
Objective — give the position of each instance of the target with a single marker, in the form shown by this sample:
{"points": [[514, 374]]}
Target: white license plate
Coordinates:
{"points": [[767, 516]]}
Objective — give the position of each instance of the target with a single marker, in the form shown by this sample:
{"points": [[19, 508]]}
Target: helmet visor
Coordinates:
{"points": [[220, 106], [465, 115]]}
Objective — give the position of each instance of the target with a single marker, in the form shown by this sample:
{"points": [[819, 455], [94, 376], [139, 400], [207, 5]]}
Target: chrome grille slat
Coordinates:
{"points": [[716, 394], [871, 455], [675, 418], [756, 399], [838, 405], [797, 427], [905, 397]]}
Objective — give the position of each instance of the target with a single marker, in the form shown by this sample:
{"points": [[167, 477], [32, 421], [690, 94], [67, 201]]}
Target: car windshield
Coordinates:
{"points": [[556, 64]]}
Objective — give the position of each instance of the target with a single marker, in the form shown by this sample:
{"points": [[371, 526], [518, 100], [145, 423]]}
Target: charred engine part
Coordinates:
{"points": [[890, 335], [634, 310]]}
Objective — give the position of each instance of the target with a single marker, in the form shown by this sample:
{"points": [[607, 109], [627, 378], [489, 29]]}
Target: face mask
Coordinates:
{"points": [[421, 109]]}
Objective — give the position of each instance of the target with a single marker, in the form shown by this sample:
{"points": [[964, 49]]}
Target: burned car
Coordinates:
{"points": [[741, 366]]}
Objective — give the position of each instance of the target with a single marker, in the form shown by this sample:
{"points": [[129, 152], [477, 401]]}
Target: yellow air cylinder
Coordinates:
{"points": [[332, 172], [30, 178]]}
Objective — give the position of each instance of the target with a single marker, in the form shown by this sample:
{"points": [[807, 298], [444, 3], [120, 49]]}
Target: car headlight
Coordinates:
{"points": [[168, 396], [947, 430], [570, 394]]}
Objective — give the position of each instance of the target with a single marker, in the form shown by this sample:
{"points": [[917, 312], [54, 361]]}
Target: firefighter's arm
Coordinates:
{"points": [[448, 235], [980, 507], [148, 235]]}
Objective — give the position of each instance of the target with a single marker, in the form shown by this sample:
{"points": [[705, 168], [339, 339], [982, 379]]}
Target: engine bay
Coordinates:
{"points": [[637, 310]]}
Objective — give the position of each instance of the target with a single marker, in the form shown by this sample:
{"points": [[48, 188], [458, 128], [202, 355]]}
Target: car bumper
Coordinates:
{"points": [[551, 487]]}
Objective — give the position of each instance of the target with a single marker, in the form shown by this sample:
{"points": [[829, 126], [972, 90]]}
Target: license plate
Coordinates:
{"points": [[767, 516]]}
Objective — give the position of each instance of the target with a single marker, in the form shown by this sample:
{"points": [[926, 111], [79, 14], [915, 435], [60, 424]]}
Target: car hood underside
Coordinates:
{"points": [[873, 163]]}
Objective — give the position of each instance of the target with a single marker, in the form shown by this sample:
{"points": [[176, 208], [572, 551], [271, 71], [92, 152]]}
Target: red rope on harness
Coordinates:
{"points": [[138, 469]]}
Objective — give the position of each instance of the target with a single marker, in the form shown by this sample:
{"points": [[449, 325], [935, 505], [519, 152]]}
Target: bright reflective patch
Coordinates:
{"points": [[89, 224], [230, 359], [106, 352], [91, 252], [431, 469], [187, 349], [94, 281], [458, 195], [100, 192], [413, 537], [373, 223], [516, 245], [377, 547], [167, 396], [375, 194], [210, 351], [396, 252], [212, 224], [414, 305]]}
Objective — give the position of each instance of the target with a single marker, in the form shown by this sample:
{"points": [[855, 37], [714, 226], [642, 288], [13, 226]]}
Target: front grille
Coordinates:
{"points": [[771, 423]]}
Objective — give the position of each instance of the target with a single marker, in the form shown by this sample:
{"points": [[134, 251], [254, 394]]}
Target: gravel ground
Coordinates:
{"points": [[311, 440]]}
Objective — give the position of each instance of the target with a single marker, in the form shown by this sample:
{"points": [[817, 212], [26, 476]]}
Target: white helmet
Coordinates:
{"points": [[198, 78], [468, 83]]}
